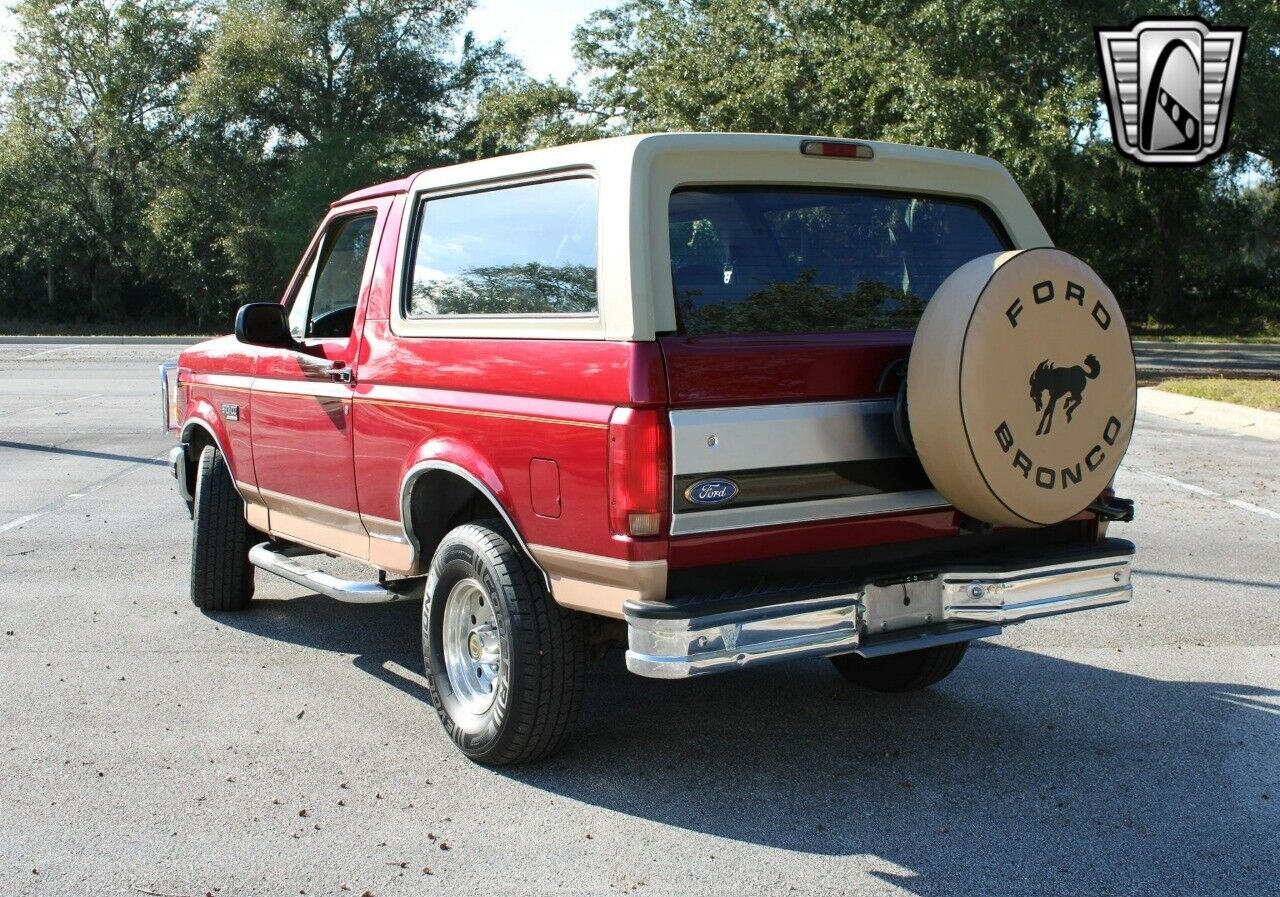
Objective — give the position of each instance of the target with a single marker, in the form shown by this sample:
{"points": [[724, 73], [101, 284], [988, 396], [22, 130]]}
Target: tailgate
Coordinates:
{"points": [[788, 430]]}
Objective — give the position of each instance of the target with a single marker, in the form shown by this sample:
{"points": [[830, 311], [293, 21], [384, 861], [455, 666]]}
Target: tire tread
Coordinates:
{"points": [[221, 575], [552, 643], [909, 671]]}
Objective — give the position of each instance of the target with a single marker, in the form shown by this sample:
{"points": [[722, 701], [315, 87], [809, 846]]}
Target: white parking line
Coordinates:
{"points": [[87, 490], [95, 395], [45, 352], [1207, 493], [14, 524]]}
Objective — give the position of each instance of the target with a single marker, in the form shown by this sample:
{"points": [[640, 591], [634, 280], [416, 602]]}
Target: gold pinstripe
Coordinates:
{"points": [[392, 403], [498, 414]]}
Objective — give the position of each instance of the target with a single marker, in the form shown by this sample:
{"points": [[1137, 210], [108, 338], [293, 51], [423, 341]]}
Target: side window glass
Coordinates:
{"points": [[529, 249], [325, 305], [300, 301]]}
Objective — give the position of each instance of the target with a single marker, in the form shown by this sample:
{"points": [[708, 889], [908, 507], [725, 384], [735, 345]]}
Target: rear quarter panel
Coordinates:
{"points": [[491, 406]]}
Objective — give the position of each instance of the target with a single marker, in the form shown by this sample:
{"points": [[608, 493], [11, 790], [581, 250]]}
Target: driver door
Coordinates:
{"points": [[301, 398]]}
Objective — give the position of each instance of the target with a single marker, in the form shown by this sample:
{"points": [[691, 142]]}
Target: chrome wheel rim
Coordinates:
{"points": [[472, 648]]}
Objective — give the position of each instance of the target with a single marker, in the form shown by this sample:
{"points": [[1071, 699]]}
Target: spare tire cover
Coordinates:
{"points": [[1021, 389]]}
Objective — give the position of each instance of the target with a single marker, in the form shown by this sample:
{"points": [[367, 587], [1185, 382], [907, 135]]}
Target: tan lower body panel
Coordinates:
{"points": [[255, 512], [599, 585], [586, 582], [372, 540], [388, 548], [258, 516]]}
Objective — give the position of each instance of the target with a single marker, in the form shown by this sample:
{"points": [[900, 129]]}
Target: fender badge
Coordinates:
{"points": [[230, 412], [711, 492]]}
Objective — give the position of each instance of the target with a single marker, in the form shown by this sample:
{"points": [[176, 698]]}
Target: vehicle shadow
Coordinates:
{"points": [[384, 638], [1021, 774]]}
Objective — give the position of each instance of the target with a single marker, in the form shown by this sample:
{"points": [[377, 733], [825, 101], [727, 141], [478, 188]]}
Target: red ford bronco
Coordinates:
{"points": [[724, 399]]}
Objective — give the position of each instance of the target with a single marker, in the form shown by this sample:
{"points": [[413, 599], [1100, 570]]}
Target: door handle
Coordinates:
{"points": [[340, 372]]}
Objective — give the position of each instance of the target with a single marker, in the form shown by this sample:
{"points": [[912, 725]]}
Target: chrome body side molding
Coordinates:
{"points": [[731, 518]]}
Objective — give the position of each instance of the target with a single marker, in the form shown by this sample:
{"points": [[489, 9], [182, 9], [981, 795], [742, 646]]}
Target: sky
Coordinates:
{"points": [[539, 32], [7, 25]]}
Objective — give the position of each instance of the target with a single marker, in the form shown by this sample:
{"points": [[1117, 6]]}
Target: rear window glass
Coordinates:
{"points": [[528, 249], [804, 260]]}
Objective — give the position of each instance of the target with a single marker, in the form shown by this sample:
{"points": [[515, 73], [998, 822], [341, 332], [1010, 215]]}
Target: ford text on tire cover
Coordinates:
{"points": [[713, 400]]}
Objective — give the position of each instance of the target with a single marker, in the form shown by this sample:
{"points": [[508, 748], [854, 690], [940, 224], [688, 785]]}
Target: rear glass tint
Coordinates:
{"points": [[805, 260]]}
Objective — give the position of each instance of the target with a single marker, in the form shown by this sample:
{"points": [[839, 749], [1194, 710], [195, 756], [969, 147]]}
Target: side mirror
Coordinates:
{"points": [[264, 324]]}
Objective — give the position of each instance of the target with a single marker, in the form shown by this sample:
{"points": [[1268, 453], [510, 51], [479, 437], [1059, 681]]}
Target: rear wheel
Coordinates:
{"points": [[909, 671], [221, 576], [505, 664]]}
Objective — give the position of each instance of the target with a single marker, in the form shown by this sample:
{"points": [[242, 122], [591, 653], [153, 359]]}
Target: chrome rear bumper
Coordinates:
{"points": [[883, 616], [1037, 592]]}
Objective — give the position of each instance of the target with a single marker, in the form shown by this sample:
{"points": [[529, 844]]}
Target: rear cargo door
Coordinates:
{"points": [[788, 429], [796, 307]]}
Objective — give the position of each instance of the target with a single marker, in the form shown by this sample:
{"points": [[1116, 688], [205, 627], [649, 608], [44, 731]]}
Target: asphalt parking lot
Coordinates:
{"points": [[147, 748], [1158, 360]]}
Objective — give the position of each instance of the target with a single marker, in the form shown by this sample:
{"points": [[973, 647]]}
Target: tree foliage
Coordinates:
{"points": [[1014, 79], [523, 289], [166, 160], [93, 123], [179, 155]]}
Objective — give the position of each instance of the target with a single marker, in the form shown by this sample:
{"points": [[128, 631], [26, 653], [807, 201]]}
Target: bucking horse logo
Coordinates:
{"points": [[1059, 382]]}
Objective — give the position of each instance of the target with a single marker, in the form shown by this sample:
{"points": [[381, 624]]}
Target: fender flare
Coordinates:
{"points": [[195, 421], [463, 461]]}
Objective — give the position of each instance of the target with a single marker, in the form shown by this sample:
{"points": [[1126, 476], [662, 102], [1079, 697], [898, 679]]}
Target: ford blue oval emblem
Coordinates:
{"points": [[711, 492]]}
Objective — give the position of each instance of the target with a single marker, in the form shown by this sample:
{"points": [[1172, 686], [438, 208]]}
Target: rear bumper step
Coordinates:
{"points": [[279, 559], [874, 619]]}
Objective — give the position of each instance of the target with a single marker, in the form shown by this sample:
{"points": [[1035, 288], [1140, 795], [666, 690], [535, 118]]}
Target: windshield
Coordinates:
{"points": [[804, 260]]}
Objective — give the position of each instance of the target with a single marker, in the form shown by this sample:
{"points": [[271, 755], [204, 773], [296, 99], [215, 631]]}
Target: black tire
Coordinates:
{"points": [[909, 671], [540, 673], [221, 576]]}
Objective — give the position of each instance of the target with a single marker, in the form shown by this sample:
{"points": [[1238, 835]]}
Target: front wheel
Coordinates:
{"points": [[505, 664], [908, 671], [221, 576]]}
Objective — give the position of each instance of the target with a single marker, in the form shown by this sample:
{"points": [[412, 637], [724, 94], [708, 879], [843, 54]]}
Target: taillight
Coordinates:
{"points": [[839, 149], [637, 472]]}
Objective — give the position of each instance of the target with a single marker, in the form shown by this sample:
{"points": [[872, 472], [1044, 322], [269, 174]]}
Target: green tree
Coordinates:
{"points": [[528, 115], [338, 94], [92, 119], [1013, 79]]}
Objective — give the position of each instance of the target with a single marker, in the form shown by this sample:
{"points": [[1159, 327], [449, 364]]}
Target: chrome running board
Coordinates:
{"points": [[277, 559]]}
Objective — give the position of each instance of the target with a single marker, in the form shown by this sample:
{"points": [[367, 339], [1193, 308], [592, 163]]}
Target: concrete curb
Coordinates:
{"points": [[101, 340], [1218, 415], [1194, 344]]}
